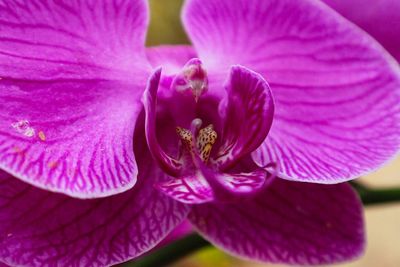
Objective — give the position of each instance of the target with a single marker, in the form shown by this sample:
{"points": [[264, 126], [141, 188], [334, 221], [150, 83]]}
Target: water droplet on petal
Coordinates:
{"points": [[23, 127]]}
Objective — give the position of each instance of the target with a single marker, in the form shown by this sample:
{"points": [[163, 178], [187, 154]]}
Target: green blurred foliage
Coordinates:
{"points": [[207, 257], [165, 25]]}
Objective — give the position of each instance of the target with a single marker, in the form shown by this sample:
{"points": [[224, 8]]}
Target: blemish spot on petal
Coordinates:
{"points": [[23, 127], [52, 164], [19, 151], [42, 136]]}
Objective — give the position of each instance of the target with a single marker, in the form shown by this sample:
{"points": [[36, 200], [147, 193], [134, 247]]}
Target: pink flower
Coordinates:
{"points": [[109, 153]]}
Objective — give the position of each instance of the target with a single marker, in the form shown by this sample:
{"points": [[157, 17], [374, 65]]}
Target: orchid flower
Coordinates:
{"points": [[106, 146], [379, 18]]}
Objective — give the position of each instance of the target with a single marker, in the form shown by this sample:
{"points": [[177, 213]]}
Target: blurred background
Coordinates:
{"points": [[383, 221]]}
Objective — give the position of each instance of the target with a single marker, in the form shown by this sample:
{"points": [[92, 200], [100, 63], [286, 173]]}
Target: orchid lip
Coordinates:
{"points": [[239, 134], [198, 173]]}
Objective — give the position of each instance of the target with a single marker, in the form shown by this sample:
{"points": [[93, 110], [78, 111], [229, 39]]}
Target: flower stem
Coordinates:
{"points": [[371, 196], [171, 252]]}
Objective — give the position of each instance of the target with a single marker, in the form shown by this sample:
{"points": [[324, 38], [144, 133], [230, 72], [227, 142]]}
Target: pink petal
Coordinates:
{"points": [[380, 18], [336, 91], [72, 39], [170, 165], [70, 137], [189, 189], [171, 57], [249, 110], [244, 182], [40, 228], [292, 223]]}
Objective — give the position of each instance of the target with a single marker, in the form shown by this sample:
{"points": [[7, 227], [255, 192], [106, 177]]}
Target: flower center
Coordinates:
{"points": [[201, 144], [195, 142]]}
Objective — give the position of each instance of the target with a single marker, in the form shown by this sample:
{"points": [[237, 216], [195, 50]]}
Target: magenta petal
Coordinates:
{"points": [[190, 189], [292, 223], [336, 91], [40, 228], [229, 187], [171, 57], [72, 39], [70, 137], [248, 113], [243, 183], [380, 18], [149, 99]]}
